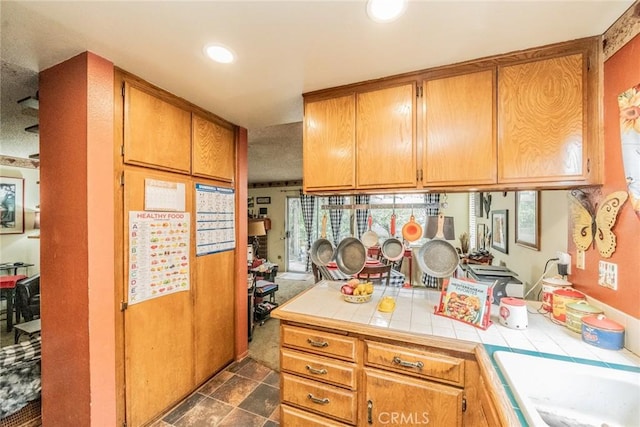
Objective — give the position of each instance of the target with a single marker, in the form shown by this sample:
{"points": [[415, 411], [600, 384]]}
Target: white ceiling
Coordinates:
{"points": [[284, 48]]}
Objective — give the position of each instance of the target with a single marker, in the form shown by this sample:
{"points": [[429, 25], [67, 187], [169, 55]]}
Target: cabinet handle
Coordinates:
{"points": [[316, 371], [369, 412], [323, 401], [406, 364], [317, 343]]}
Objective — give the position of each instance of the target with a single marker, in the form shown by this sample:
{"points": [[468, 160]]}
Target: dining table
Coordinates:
{"points": [[10, 267], [332, 272], [8, 287]]}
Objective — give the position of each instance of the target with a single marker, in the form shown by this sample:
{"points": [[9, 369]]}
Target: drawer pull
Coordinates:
{"points": [[323, 401], [317, 343], [369, 412], [406, 364], [316, 371]]}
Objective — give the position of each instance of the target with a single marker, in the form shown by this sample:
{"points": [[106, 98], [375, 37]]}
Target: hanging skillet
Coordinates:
{"points": [[437, 257], [322, 250], [392, 248], [370, 237], [412, 231]]}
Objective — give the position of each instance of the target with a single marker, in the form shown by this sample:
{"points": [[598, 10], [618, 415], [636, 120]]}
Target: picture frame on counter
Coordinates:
{"points": [[263, 200], [528, 219], [500, 230]]}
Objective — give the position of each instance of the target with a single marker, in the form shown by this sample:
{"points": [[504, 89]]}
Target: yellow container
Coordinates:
{"points": [[575, 311]]}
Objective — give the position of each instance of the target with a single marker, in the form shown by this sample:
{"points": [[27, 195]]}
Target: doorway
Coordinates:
{"points": [[295, 236]]}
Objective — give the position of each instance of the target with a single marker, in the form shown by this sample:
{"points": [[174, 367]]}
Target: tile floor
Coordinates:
{"points": [[245, 394]]}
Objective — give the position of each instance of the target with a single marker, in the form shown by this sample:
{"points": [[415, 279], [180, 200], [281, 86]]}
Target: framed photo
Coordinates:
{"points": [[500, 230], [481, 234], [479, 204], [11, 205], [528, 219], [263, 200]]}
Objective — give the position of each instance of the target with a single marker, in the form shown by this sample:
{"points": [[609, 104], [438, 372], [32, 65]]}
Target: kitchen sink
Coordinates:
{"points": [[553, 392]]}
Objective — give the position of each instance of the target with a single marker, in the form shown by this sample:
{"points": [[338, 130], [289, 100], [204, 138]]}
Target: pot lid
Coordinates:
{"points": [[600, 321], [516, 302], [556, 281], [570, 293], [584, 307]]}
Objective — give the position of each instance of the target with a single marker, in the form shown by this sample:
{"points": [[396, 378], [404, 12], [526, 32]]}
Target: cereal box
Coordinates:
{"points": [[466, 301]]}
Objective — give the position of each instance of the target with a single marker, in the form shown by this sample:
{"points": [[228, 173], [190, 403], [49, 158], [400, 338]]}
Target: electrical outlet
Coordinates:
{"points": [[580, 259], [608, 275]]}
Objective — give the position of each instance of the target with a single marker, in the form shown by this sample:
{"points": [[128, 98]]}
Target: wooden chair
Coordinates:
{"points": [[396, 265], [316, 273], [378, 275]]}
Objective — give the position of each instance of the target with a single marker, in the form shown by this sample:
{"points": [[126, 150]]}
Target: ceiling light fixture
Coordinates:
{"points": [[385, 10], [219, 53]]}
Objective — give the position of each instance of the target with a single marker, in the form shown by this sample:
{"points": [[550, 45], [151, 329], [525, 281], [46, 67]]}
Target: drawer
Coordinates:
{"points": [[319, 342], [320, 398], [319, 368], [420, 363], [290, 416]]}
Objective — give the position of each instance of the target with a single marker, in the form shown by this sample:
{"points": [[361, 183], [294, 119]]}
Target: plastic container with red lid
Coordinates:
{"points": [[602, 332]]}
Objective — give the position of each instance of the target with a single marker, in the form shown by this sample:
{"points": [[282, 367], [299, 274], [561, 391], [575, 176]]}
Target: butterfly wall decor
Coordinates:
{"points": [[594, 224]]}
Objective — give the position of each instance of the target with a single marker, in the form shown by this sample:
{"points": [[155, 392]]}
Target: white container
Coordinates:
{"points": [[513, 313], [549, 285]]}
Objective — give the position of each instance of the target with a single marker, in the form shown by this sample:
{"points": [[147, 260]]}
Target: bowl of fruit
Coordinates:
{"points": [[355, 292]]}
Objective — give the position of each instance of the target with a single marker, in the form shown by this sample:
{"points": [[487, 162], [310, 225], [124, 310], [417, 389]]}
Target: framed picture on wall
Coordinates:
{"points": [[528, 219], [11, 205], [500, 230], [478, 199], [263, 200], [481, 232]]}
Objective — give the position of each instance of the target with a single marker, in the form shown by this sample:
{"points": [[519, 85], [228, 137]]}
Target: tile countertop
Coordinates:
{"points": [[414, 313]]}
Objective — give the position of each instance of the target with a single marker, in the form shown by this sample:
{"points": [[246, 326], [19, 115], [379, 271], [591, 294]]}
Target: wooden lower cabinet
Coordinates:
{"points": [[320, 398], [399, 400], [291, 416]]}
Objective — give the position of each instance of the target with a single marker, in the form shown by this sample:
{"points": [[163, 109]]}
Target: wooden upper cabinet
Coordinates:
{"points": [[386, 138], [459, 128], [156, 132], [213, 150], [329, 144], [542, 120]]}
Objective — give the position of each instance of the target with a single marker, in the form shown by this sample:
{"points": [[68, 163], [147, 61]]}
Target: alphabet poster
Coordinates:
{"points": [[158, 254]]}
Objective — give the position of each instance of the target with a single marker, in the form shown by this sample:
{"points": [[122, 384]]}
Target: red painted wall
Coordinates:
{"points": [[242, 322], [621, 72], [77, 243]]}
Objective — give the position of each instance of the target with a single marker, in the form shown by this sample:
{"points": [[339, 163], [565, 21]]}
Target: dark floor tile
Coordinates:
{"points": [[236, 366], [262, 401], [270, 423], [273, 379], [275, 415], [215, 382], [208, 412], [183, 408], [235, 390], [239, 417], [254, 370]]}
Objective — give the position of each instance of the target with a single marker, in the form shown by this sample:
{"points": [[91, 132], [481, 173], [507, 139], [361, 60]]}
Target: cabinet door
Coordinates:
{"points": [[214, 154], [392, 399], [156, 133], [459, 129], [385, 135], [541, 119], [329, 144]]}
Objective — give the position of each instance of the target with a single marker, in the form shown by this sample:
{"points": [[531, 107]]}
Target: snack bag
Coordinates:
{"points": [[466, 301]]}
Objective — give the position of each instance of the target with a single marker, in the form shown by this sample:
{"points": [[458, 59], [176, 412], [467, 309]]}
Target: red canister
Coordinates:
{"points": [[562, 297], [549, 285]]}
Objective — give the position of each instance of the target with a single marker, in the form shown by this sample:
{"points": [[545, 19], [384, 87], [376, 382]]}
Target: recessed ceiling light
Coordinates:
{"points": [[385, 10], [219, 53]]}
